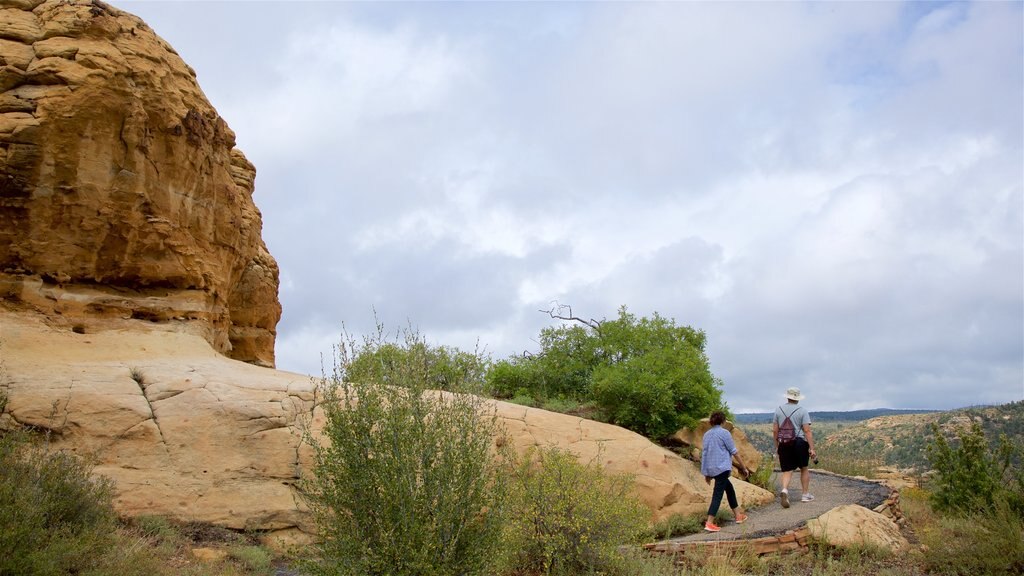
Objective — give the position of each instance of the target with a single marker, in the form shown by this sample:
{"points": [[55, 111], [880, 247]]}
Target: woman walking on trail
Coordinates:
{"points": [[716, 464]]}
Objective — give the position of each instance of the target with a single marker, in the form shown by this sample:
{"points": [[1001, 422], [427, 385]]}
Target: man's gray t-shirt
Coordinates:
{"points": [[797, 415]]}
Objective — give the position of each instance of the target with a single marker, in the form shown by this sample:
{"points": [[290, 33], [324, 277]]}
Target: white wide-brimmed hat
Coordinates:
{"points": [[794, 394]]}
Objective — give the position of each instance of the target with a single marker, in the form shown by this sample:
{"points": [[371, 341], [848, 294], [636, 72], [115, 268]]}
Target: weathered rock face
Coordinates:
{"points": [[852, 525], [121, 193], [188, 433]]}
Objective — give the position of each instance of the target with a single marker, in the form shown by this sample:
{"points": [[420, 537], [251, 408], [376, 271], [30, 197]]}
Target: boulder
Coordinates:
{"points": [[122, 195], [854, 525]]}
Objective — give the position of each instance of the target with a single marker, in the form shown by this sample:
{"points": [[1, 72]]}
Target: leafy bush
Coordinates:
{"points": [[646, 374], [972, 477], [443, 367], [54, 518], [407, 482], [569, 517]]}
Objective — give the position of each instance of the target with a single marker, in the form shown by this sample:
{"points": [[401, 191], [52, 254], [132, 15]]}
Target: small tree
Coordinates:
{"points": [[972, 477], [646, 374], [407, 480]]}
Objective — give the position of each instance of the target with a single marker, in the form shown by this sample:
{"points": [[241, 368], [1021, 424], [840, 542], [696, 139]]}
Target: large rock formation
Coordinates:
{"points": [[185, 432], [133, 278], [121, 192]]}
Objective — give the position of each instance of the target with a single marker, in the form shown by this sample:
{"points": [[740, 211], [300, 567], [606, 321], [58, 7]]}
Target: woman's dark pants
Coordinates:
{"points": [[722, 484]]}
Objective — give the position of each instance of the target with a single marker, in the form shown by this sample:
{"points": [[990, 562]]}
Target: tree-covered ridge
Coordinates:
{"points": [[901, 440], [830, 416]]}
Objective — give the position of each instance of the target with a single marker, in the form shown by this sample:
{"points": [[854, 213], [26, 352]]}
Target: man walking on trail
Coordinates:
{"points": [[794, 443]]}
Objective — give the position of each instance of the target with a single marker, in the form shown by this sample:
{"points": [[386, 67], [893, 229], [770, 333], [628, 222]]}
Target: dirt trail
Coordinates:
{"points": [[772, 519]]}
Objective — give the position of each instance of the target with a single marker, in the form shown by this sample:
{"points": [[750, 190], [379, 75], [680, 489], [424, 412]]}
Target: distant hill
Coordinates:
{"points": [[826, 416], [892, 437]]}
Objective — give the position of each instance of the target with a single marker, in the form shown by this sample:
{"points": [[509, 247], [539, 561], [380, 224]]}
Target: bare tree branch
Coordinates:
{"points": [[556, 311]]}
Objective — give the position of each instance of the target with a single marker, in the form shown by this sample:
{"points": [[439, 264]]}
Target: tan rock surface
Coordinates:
{"points": [[850, 525], [692, 441], [188, 433], [121, 192]]}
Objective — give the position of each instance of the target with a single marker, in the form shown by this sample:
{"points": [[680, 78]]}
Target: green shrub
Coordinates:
{"points": [[54, 518], [254, 559], [970, 476], [569, 517], [406, 481], [443, 367], [677, 525], [646, 374]]}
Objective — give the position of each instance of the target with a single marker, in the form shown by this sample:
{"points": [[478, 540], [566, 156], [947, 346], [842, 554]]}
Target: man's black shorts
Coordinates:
{"points": [[794, 455]]}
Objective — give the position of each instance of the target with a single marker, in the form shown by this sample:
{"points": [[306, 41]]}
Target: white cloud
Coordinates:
{"points": [[833, 191]]}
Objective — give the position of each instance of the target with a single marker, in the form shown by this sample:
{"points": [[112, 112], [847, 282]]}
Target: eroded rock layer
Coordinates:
{"points": [[122, 195]]}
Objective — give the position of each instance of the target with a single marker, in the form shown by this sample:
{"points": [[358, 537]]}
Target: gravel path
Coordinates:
{"points": [[829, 491]]}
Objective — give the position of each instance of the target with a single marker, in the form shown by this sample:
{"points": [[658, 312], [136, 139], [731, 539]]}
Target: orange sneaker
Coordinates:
{"points": [[741, 518], [709, 527]]}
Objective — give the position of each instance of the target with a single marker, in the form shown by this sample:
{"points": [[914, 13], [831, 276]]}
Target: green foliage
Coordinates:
{"points": [[442, 367], [762, 477], [645, 374], [254, 559], [677, 525], [970, 476], [990, 543], [54, 518], [407, 482], [569, 517]]}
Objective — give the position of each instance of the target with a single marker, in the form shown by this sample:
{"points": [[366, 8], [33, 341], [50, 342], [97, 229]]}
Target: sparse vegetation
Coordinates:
{"points": [[53, 516], [569, 517], [966, 543], [763, 475], [138, 375], [408, 481], [677, 525]]}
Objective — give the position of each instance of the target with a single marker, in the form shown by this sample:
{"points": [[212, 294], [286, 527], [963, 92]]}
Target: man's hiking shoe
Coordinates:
{"points": [[807, 497], [709, 527], [741, 518], [784, 497]]}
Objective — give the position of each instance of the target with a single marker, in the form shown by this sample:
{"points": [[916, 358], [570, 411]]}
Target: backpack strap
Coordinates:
{"points": [[790, 415]]}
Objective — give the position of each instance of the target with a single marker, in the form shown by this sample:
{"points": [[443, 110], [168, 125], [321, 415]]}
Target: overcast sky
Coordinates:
{"points": [[831, 191]]}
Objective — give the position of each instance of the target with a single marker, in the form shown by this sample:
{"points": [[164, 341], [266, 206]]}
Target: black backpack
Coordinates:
{"points": [[787, 432]]}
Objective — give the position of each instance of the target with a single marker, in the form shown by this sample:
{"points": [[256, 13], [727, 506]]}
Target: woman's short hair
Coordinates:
{"points": [[717, 418]]}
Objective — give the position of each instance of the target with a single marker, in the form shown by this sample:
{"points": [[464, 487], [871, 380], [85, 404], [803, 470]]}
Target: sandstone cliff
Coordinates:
{"points": [[122, 195]]}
